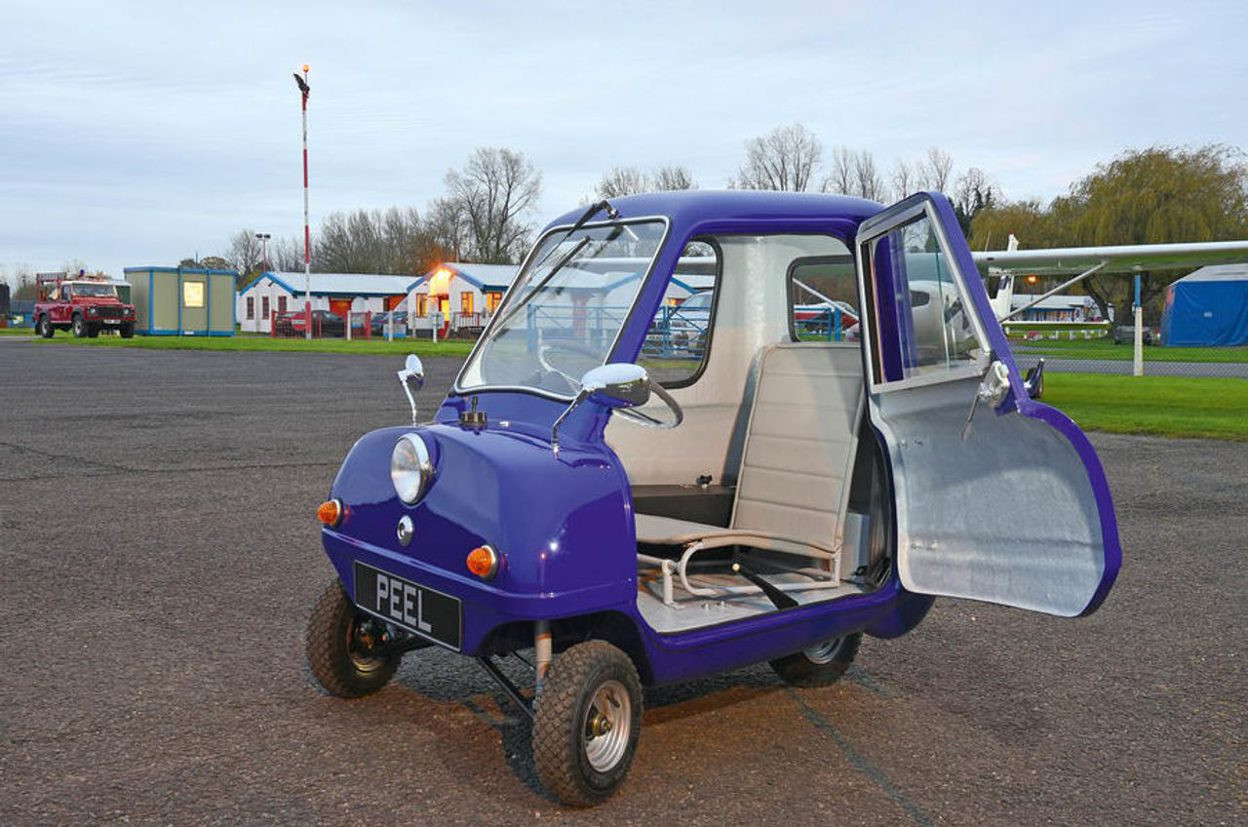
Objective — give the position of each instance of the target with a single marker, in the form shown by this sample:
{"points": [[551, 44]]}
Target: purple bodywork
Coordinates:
{"points": [[565, 525]]}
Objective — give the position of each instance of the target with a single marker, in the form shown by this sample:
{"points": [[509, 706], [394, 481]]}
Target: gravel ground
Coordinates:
{"points": [[160, 556]]}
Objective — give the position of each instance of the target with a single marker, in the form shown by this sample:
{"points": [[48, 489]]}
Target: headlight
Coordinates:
{"points": [[411, 469]]}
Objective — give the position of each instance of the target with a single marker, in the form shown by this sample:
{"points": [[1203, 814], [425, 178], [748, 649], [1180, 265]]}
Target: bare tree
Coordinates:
{"points": [[494, 192], [841, 178], [286, 254], [667, 178], [621, 181], [244, 253], [934, 169], [867, 180], [447, 226], [904, 179], [784, 159]]}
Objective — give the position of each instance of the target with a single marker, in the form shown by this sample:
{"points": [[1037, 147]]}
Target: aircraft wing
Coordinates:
{"points": [[1126, 258]]}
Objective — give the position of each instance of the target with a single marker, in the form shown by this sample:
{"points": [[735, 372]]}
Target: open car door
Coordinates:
{"points": [[999, 498]]}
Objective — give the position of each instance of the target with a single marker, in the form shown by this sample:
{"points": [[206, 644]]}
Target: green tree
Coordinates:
{"points": [[1157, 195]]}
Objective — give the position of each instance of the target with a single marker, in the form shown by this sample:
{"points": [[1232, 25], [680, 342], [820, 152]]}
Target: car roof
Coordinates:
{"points": [[690, 207]]}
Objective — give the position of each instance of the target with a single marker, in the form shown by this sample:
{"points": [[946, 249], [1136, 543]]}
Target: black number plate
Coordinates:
{"points": [[413, 607]]}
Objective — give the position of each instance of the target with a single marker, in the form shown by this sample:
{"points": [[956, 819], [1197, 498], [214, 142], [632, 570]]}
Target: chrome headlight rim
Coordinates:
{"points": [[411, 468]]}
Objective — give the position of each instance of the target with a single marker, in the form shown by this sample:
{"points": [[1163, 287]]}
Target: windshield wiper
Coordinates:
{"points": [[593, 210]]}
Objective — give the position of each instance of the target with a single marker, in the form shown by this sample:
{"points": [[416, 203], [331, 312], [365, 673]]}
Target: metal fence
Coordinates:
{"points": [[1112, 349]]}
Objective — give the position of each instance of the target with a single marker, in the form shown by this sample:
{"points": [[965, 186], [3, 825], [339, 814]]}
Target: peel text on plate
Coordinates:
{"points": [[400, 600]]}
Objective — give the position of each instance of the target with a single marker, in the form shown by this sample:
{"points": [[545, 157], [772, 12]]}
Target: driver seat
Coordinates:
{"points": [[801, 440]]}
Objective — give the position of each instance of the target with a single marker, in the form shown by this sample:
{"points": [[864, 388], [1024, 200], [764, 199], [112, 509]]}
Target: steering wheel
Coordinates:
{"points": [[642, 418], [574, 383]]}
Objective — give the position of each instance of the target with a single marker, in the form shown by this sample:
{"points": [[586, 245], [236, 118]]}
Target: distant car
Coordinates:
{"points": [[324, 324], [378, 325], [1125, 334]]}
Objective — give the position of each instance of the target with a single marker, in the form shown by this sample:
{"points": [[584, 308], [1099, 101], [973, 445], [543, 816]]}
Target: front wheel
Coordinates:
{"points": [[821, 664], [586, 723], [127, 331], [45, 327], [343, 646], [79, 327]]}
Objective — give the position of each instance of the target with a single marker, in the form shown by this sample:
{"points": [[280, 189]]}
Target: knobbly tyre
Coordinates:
{"points": [[787, 498], [84, 305]]}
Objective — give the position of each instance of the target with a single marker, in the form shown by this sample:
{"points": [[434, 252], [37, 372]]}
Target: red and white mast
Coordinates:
{"points": [[302, 82]]}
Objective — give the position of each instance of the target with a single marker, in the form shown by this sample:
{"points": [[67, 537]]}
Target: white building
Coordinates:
{"points": [[339, 293], [1059, 308], [463, 295]]}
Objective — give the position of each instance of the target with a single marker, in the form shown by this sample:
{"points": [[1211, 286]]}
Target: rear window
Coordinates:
{"points": [[823, 298]]}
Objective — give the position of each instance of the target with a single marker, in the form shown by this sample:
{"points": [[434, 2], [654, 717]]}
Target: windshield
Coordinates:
{"points": [[562, 315], [95, 291]]}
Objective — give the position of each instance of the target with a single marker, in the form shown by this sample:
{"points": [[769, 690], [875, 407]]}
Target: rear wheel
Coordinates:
{"points": [[821, 664], [45, 327], [344, 646], [586, 723], [79, 327]]}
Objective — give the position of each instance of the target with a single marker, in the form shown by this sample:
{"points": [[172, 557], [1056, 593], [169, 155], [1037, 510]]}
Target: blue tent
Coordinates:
{"points": [[1207, 308]]}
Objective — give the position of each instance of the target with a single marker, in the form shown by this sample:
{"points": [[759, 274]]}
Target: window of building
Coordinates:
{"points": [[251, 307], [192, 294], [492, 300], [281, 304], [422, 304], [466, 302], [264, 306]]}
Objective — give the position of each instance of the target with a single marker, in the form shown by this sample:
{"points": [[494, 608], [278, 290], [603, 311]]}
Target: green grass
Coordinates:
{"points": [[379, 347], [1171, 406], [1102, 350], [17, 331]]}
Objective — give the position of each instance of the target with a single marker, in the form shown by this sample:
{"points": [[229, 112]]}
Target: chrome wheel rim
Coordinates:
{"points": [[824, 652], [607, 725]]}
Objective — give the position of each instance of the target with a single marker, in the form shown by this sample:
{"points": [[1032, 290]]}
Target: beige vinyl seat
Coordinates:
{"points": [[798, 457]]}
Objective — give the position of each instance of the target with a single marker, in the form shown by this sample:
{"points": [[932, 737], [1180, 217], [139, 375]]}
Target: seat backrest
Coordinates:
{"points": [[801, 441]]}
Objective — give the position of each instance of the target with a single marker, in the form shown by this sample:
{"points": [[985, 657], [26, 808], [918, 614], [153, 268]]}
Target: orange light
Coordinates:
{"points": [[330, 513], [483, 562], [1033, 279], [305, 68]]}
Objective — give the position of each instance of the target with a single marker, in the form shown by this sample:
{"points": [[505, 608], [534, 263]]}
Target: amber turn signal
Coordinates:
{"points": [[483, 562], [330, 513]]}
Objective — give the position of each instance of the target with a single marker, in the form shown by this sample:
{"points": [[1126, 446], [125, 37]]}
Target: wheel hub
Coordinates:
{"points": [[608, 723]]}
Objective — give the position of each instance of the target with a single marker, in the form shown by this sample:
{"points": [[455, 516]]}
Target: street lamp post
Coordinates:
{"points": [[264, 249], [301, 80]]}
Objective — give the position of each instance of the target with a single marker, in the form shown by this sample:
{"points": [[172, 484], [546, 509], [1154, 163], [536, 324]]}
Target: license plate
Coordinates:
{"points": [[418, 609], [112, 321]]}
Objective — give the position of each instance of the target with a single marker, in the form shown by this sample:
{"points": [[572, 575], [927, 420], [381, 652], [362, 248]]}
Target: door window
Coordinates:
{"points": [[923, 324], [678, 341]]}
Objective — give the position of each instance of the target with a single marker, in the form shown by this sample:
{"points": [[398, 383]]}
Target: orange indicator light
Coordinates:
{"points": [[483, 562], [330, 513]]}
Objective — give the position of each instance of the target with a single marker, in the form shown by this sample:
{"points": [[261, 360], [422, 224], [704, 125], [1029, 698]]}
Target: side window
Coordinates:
{"points": [[65, 294], [281, 304], [678, 341], [924, 327], [264, 306], [251, 307], [465, 303], [823, 299]]}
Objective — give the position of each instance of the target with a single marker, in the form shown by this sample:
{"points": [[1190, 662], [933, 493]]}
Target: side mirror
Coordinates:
{"points": [[618, 385], [412, 378], [615, 385]]}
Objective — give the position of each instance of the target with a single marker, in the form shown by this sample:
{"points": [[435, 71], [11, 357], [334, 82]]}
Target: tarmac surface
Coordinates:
{"points": [[160, 556]]}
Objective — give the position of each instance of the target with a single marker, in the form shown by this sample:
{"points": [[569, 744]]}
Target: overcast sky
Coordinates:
{"points": [[141, 133]]}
